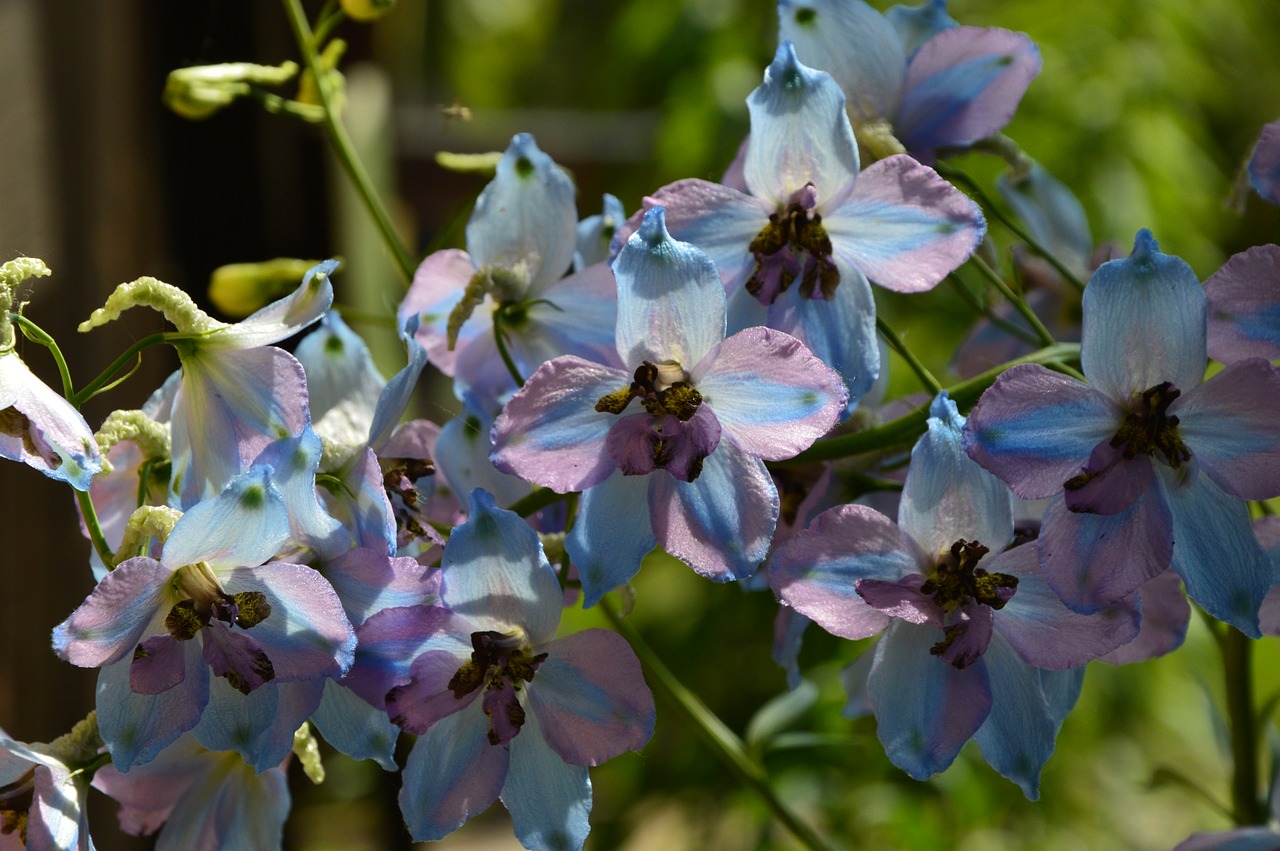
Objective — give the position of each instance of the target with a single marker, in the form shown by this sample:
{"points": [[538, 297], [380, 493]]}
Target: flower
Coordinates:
{"points": [[797, 252], [1244, 306], [1264, 163], [685, 471], [501, 707], [42, 792], [1148, 464], [975, 644]]}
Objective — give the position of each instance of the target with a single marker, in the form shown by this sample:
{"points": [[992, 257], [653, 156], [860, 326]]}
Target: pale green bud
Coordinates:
{"points": [[202, 90], [152, 437], [238, 289], [307, 750], [367, 10], [146, 522], [176, 306]]}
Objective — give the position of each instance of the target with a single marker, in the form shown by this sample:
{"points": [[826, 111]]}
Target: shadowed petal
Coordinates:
{"points": [[1231, 423], [128, 604], [340, 369], [245, 524], [1018, 735], [260, 725], [902, 599], [917, 24], [282, 318], [427, 698], [391, 639], [1109, 482], [719, 220], [612, 535], [549, 800], [136, 727], [1264, 164], [903, 226], [437, 287], [354, 727], [41, 429], [1244, 305], [771, 395], [159, 664], [1165, 615], [367, 581]]}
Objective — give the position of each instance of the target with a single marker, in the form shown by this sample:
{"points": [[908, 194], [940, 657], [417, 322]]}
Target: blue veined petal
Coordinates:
{"points": [[126, 606], [612, 534], [355, 728], [260, 725], [1214, 549], [136, 727], [947, 496], [41, 429], [818, 570], [390, 640], [576, 315], [396, 395], [1018, 736], [244, 525], [525, 220], [841, 332], [903, 226], [917, 24], [1144, 323], [962, 85], [800, 134], [494, 570], [925, 708], [340, 371], [769, 393], [1051, 213], [294, 462], [1244, 306], [452, 774], [722, 522], [720, 221], [671, 302], [549, 800], [280, 319], [595, 233], [855, 44]]}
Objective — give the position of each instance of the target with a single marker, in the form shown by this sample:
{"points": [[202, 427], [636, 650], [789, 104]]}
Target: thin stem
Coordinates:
{"points": [[341, 141], [910, 426], [726, 744], [94, 387], [90, 516], [1247, 806], [500, 340], [536, 501], [955, 175], [895, 342], [1019, 303], [1000, 322], [36, 334]]}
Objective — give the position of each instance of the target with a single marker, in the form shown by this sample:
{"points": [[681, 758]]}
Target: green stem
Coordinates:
{"points": [[908, 427], [726, 744], [90, 515], [895, 342], [341, 141], [1019, 303], [998, 321], [500, 340], [536, 501], [1247, 806], [36, 334], [955, 175], [94, 387]]}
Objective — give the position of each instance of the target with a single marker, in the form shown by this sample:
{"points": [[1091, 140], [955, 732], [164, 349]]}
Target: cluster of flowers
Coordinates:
{"points": [[275, 550]]}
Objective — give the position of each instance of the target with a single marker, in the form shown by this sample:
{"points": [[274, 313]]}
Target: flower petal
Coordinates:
{"points": [[549, 800], [427, 698], [1264, 163], [817, 571], [800, 134], [591, 699], [925, 709], [1244, 306], [719, 220], [917, 24], [42, 430], [964, 84], [355, 728], [260, 725], [339, 367], [1165, 616], [1144, 323], [245, 524], [367, 581], [282, 318], [721, 523], [903, 226], [437, 287], [1035, 429], [771, 395], [391, 639], [612, 534], [551, 433], [122, 609], [1017, 737], [136, 727]]}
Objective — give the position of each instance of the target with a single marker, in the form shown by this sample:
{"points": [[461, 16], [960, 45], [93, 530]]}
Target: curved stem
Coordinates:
{"points": [[1019, 302], [1247, 806], [500, 340], [955, 175], [90, 516], [895, 342], [341, 141], [998, 321], [726, 744], [36, 334], [907, 428], [94, 387]]}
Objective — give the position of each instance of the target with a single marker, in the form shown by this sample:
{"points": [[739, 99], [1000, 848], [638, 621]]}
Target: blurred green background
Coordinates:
{"points": [[1147, 110]]}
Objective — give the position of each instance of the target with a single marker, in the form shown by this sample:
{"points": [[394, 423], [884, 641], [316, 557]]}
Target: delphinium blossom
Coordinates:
{"points": [[42, 791], [915, 79], [975, 645], [1264, 163], [158, 627], [235, 393], [684, 468], [37, 425], [1244, 306], [502, 708], [797, 249], [521, 240], [1148, 465]]}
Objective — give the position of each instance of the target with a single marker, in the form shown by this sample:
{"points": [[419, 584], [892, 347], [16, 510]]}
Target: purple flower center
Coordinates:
{"points": [[958, 587], [399, 477], [675, 433], [500, 663], [246, 609], [1151, 429], [794, 245]]}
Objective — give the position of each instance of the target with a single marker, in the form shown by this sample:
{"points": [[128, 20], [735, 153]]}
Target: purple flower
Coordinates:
{"points": [[1148, 465], [501, 707], [41, 429], [1244, 306], [975, 644], [42, 797], [1264, 164], [796, 252], [251, 625], [682, 467]]}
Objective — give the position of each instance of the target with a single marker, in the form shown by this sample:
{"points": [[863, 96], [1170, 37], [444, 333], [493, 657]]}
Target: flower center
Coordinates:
{"points": [[662, 388], [794, 245], [208, 602], [501, 663], [957, 584], [1150, 428]]}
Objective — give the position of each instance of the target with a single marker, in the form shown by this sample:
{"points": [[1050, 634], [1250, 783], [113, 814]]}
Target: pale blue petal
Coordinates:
{"points": [[395, 397], [854, 680], [244, 525], [595, 233], [548, 799], [1061, 691], [947, 496], [462, 457], [671, 302], [855, 44], [1214, 549], [339, 367], [575, 315], [294, 463], [1264, 163], [1144, 323], [800, 134], [452, 774], [925, 708], [362, 503], [355, 728], [612, 535], [368, 581], [42, 429], [229, 806], [719, 220], [525, 220], [494, 571], [721, 523], [136, 727], [280, 319], [260, 725], [1018, 736], [917, 24]]}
